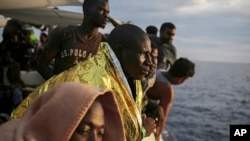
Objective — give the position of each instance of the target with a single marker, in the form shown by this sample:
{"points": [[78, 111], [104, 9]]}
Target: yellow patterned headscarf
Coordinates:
{"points": [[101, 71]]}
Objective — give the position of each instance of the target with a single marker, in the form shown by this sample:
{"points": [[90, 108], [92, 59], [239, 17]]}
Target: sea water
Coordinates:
{"points": [[206, 105]]}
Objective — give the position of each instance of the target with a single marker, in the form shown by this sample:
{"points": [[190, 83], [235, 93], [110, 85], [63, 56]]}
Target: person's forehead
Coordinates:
{"points": [[142, 43], [101, 3], [170, 30]]}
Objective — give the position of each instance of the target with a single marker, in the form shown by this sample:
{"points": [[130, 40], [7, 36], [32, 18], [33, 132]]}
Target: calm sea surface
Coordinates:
{"points": [[205, 105]]}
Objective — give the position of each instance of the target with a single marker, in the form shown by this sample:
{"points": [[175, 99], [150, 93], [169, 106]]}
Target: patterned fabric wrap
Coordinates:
{"points": [[101, 71]]}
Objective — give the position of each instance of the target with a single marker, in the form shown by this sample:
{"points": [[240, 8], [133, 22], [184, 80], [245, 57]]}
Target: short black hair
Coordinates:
{"points": [[182, 67], [124, 35], [152, 30], [88, 3], [167, 25], [12, 27]]}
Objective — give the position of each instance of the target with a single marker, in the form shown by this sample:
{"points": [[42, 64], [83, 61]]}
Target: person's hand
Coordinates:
{"points": [[149, 124], [159, 125], [154, 111]]}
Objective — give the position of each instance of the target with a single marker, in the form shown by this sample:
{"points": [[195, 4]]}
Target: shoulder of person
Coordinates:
{"points": [[172, 45], [64, 28], [62, 31], [104, 37]]}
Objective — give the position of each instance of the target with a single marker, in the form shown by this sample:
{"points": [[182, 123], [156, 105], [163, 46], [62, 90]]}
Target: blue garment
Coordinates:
{"points": [[17, 96]]}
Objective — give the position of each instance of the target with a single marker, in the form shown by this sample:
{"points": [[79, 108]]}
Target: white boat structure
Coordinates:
{"points": [[27, 4], [40, 12]]}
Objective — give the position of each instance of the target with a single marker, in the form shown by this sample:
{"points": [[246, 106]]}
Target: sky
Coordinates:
{"points": [[207, 30]]}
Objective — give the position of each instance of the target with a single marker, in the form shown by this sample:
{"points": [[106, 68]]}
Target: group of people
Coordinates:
{"points": [[18, 52], [101, 87], [170, 71]]}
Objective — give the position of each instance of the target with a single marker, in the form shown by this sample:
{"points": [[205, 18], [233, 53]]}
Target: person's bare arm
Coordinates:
{"points": [[51, 48], [166, 101], [115, 22], [154, 92], [43, 64]]}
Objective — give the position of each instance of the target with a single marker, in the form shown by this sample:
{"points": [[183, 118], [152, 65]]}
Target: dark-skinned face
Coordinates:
{"points": [[91, 127], [154, 55], [136, 59], [167, 36], [99, 13], [179, 80]]}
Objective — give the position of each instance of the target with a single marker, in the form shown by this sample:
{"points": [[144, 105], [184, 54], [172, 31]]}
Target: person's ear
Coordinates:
{"points": [[118, 50], [86, 11]]}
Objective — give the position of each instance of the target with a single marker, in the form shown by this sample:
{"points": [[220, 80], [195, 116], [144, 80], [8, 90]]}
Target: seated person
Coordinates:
{"points": [[163, 90], [11, 84], [68, 112], [119, 65]]}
